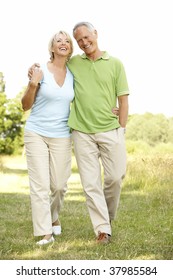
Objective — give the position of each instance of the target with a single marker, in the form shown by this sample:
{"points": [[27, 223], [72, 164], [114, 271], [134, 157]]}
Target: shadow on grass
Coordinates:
{"points": [[6, 170]]}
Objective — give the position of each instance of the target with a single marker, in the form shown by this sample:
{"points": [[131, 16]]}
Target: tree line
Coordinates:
{"points": [[150, 128]]}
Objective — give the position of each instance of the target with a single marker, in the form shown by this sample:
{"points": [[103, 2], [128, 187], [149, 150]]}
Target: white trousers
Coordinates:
{"points": [[49, 168], [102, 196]]}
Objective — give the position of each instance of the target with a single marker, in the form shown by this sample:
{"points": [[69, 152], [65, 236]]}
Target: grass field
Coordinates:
{"points": [[143, 229]]}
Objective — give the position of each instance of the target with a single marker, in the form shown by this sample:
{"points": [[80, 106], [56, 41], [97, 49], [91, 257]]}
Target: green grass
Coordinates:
{"points": [[143, 229]]}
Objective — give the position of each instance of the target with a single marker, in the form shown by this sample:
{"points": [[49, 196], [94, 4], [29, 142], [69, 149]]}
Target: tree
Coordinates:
{"points": [[152, 129], [11, 123], [2, 83]]}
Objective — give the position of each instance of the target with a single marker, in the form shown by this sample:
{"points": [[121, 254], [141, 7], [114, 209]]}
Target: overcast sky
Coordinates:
{"points": [[139, 32]]}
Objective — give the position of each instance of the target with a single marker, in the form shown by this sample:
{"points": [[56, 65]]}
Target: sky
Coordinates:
{"points": [[138, 32]]}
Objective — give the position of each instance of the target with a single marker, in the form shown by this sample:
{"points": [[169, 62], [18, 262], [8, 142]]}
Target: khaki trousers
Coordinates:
{"points": [[49, 168], [92, 150]]}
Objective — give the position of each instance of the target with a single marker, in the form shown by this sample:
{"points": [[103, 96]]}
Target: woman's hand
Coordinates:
{"points": [[115, 111]]}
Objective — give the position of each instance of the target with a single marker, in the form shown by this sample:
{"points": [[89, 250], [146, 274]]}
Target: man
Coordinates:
{"points": [[98, 135]]}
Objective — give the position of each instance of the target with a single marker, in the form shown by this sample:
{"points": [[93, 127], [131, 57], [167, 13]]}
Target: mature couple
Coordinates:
{"points": [[95, 83]]}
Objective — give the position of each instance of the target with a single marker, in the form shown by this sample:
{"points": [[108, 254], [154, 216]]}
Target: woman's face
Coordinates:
{"points": [[61, 45]]}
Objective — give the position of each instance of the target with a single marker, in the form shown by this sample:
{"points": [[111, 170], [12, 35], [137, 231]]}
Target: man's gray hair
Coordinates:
{"points": [[83, 23]]}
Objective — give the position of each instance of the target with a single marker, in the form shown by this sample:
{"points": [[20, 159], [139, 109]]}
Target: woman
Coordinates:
{"points": [[47, 137]]}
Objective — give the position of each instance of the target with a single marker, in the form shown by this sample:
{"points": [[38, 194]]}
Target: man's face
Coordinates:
{"points": [[86, 39]]}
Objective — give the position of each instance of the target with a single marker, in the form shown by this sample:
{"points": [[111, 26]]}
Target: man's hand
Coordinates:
{"points": [[37, 75], [31, 69]]}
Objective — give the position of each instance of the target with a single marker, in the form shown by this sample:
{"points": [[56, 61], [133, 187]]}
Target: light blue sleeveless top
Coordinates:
{"points": [[50, 111]]}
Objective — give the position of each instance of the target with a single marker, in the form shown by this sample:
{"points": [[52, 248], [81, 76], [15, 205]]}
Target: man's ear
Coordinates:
{"points": [[95, 33]]}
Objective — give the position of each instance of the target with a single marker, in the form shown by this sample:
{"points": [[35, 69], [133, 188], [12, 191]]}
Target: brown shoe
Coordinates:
{"points": [[103, 238]]}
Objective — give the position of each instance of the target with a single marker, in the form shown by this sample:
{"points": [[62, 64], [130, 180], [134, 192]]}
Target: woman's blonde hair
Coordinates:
{"points": [[51, 42]]}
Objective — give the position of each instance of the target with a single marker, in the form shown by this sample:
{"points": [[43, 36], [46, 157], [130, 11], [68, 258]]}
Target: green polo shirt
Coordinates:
{"points": [[97, 84]]}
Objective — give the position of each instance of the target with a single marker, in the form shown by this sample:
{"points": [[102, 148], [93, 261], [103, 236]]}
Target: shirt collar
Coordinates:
{"points": [[105, 56]]}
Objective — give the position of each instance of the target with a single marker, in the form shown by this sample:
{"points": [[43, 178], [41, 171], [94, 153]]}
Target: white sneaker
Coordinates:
{"points": [[56, 230], [45, 241]]}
